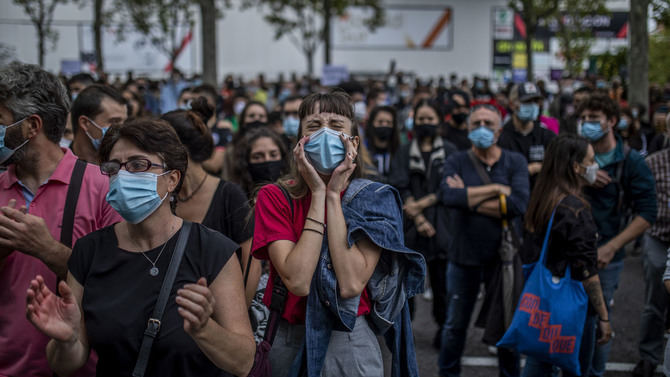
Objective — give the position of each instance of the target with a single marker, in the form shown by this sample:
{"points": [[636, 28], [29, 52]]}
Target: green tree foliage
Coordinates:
{"points": [[41, 13], [574, 35], [303, 21], [159, 21], [659, 55]]}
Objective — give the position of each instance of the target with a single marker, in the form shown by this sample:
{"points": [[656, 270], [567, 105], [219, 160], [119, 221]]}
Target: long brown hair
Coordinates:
{"points": [[556, 179], [336, 102]]}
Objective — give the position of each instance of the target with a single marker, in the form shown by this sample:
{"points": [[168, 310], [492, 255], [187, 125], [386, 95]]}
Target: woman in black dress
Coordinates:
{"points": [[204, 198], [115, 275]]}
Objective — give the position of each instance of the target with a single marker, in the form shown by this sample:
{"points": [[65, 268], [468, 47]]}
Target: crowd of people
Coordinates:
{"points": [[314, 216]]}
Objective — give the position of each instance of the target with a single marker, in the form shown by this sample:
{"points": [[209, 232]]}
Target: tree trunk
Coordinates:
{"points": [[208, 29], [326, 31], [40, 46], [97, 33], [310, 63], [638, 54], [529, 54]]}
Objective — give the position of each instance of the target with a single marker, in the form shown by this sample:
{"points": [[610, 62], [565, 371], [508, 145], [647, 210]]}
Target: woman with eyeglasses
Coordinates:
{"points": [[115, 275], [416, 171]]}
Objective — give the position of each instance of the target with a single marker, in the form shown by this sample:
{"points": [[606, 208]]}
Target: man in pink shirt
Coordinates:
{"points": [[33, 109]]}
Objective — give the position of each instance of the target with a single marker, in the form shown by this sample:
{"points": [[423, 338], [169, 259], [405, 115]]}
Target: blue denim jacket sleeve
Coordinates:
{"points": [[371, 210]]}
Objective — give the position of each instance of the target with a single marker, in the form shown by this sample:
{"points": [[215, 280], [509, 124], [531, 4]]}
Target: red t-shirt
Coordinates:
{"points": [[273, 222]]}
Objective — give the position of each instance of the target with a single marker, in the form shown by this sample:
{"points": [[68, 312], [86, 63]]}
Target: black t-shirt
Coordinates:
{"points": [[228, 212], [532, 146], [119, 296], [458, 137], [573, 241]]}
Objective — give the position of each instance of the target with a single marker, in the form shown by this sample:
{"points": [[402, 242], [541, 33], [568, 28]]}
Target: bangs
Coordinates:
{"points": [[335, 102]]}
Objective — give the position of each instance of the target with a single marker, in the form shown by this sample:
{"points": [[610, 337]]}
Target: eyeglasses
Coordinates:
{"points": [[138, 165]]}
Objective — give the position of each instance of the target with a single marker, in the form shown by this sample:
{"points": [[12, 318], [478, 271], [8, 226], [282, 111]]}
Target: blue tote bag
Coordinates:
{"points": [[549, 320]]}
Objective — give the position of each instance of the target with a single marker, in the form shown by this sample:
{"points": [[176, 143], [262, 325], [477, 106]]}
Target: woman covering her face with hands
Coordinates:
{"points": [[115, 275], [324, 246]]}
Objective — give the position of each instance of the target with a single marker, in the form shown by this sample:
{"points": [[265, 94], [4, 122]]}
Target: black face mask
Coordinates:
{"points": [[254, 124], [425, 130], [268, 171], [459, 118], [382, 133], [222, 136]]}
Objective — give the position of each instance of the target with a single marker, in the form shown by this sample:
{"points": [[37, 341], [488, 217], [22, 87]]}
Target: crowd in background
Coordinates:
{"points": [[454, 164]]}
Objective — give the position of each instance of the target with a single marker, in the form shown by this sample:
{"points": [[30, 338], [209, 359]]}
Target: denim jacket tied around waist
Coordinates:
{"points": [[371, 210]]}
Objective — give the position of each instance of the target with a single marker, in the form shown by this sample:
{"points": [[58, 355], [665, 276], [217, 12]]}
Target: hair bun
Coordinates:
{"points": [[202, 108]]}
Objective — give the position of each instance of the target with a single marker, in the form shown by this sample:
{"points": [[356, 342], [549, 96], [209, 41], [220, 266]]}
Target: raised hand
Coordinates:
{"points": [[57, 317], [196, 305], [306, 170], [339, 180]]}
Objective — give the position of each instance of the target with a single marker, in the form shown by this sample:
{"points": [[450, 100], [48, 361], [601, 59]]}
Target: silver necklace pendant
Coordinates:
{"points": [[153, 271]]}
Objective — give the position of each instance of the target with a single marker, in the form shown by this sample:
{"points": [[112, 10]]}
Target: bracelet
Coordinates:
{"points": [[603, 320], [313, 230], [318, 222]]}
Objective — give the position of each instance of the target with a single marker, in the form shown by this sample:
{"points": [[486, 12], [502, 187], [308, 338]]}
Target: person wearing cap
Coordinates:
{"points": [[523, 132]]}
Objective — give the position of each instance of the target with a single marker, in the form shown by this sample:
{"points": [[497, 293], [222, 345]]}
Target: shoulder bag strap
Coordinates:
{"points": [[483, 175], [154, 323], [71, 202]]}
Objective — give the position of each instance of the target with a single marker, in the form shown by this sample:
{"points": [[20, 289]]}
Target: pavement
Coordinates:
{"points": [[478, 362]]}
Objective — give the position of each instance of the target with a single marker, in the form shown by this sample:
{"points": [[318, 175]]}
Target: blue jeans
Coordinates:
{"points": [[462, 288], [537, 368], [609, 281], [655, 299]]}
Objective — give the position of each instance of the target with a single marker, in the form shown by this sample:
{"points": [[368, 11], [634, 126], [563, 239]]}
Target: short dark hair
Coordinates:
{"points": [[395, 137], [242, 152], [206, 90], [83, 78], [600, 102], [152, 136], [458, 92], [27, 89], [192, 130], [291, 98], [89, 100], [433, 105]]}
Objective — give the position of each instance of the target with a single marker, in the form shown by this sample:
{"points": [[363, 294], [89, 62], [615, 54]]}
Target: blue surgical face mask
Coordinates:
{"points": [[134, 195], [592, 131], [528, 112], [622, 125], [409, 123], [482, 137], [325, 150], [96, 142], [6, 152], [291, 126]]}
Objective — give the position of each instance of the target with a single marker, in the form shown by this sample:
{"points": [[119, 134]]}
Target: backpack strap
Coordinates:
{"points": [[478, 167], [279, 290], [154, 322], [618, 175], [71, 200]]}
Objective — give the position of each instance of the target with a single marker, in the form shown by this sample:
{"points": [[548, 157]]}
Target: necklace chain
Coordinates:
{"points": [[186, 199], [159, 254]]}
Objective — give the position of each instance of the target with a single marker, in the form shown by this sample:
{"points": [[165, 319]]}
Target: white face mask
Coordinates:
{"points": [[591, 173]]}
